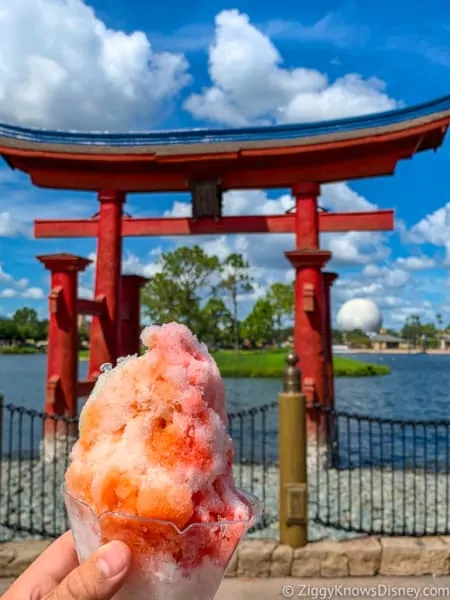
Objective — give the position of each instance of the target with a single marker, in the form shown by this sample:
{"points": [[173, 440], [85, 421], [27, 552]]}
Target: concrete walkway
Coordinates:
{"points": [[400, 588]]}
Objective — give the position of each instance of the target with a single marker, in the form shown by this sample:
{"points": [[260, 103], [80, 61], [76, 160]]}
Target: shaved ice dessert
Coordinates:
{"points": [[153, 467]]}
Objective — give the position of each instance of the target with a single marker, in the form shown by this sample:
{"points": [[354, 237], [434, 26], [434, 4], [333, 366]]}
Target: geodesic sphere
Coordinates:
{"points": [[359, 313]]}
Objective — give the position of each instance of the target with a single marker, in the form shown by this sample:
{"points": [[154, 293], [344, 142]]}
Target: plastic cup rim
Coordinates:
{"points": [[255, 503]]}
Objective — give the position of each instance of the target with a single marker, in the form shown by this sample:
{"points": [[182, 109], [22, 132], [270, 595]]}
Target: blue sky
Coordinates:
{"points": [[128, 65]]}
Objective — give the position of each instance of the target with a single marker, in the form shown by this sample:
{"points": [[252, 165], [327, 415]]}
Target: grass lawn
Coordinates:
{"points": [[271, 363]]}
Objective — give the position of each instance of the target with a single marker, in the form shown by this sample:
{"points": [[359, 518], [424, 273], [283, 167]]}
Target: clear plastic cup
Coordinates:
{"points": [[168, 564]]}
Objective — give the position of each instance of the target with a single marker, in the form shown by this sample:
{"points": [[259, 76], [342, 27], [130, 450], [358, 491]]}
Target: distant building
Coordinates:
{"points": [[444, 341], [384, 341]]}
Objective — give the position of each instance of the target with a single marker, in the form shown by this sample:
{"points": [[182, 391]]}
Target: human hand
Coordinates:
{"points": [[57, 574]]}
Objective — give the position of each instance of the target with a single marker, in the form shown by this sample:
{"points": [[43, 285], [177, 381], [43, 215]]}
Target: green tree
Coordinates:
{"points": [[8, 330], [412, 330], [217, 322], [281, 298], [429, 336], [236, 279], [83, 333], [337, 336], [175, 292], [27, 323], [258, 326], [41, 330], [439, 321]]}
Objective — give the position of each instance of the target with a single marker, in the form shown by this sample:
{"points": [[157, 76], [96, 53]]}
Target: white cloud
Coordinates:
{"points": [[33, 293], [63, 68], [390, 276], [433, 229], [4, 276], [22, 283], [250, 84], [416, 263], [10, 226], [356, 247], [355, 288], [330, 28], [85, 291], [402, 313], [8, 293], [132, 265], [21, 204], [179, 209], [339, 197]]}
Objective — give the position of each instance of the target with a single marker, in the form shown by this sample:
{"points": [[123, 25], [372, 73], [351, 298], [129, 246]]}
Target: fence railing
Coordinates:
{"points": [[381, 476], [368, 475]]}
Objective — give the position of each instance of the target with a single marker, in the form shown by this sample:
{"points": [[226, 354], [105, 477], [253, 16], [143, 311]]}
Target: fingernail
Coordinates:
{"points": [[113, 559]]}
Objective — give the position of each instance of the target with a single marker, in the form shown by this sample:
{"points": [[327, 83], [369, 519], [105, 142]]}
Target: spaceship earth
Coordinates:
{"points": [[359, 313]]}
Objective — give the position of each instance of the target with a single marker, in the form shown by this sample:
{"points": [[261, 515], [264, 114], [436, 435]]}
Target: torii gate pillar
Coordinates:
{"points": [[104, 336], [310, 342], [328, 280], [62, 361], [130, 317]]}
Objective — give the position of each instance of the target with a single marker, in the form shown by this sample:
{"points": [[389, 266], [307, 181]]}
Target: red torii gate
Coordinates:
{"points": [[207, 163], [315, 337]]}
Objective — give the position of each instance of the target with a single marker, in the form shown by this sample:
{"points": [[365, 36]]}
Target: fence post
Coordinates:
{"points": [[293, 458]]}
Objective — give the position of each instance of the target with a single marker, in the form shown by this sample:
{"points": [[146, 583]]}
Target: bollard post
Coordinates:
{"points": [[293, 459]]}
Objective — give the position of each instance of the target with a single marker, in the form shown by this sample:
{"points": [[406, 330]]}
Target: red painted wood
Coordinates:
{"points": [[309, 338], [130, 318], [236, 175], [328, 280], [306, 215], [91, 307], [104, 329], [382, 220], [85, 387], [62, 358]]}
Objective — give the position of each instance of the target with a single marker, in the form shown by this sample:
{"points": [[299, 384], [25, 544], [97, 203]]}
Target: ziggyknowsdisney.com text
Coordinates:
{"points": [[379, 590]]}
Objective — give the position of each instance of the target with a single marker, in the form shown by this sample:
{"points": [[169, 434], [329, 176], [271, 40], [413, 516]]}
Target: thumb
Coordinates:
{"points": [[99, 577]]}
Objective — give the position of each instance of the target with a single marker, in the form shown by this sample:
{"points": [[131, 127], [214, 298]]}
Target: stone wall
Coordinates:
{"points": [[362, 557]]}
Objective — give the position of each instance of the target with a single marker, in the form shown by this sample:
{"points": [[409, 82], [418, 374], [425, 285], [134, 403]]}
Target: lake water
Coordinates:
{"points": [[418, 388]]}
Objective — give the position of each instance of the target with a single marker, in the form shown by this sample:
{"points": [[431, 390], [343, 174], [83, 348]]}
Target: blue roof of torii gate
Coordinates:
{"points": [[422, 113]]}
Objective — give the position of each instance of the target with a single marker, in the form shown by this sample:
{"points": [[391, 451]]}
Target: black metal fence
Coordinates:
{"points": [[380, 476], [368, 475]]}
